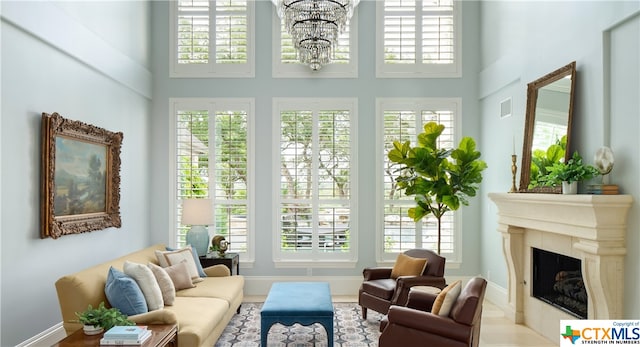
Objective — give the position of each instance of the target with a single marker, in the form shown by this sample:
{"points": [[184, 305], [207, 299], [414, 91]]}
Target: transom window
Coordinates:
{"points": [[314, 167], [212, 38], [418, 38], [402, 120], [218, 132]]}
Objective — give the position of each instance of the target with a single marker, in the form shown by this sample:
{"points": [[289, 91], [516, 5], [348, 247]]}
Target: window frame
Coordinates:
{"points": [[412, 104], [315, 259], [211, 69], [281, 70], [418, 69], [212, 105]]}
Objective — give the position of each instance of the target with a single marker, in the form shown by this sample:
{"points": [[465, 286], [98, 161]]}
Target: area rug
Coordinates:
{"points": [[349, 329]]}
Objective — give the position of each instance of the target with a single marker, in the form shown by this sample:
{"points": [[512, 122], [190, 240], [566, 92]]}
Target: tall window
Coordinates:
{"points": [[418, 38], [213, 159], [314, 164], [344, 62], [402, 120], [212, 38]]}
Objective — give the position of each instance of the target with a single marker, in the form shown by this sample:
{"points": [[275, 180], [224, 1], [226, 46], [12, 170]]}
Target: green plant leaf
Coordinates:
{"points": [[440, 179]]}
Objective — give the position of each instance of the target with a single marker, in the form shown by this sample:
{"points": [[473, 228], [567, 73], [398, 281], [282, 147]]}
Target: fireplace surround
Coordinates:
{"points": [[591, 228]]}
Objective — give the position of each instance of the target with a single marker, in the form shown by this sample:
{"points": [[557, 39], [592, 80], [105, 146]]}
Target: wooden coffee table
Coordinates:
{"points": [[162, 335]]}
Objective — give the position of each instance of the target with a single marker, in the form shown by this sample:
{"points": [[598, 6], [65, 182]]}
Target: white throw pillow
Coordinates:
{"points": [[444, 301], [147, 283], [165, 283], [168, 258]]}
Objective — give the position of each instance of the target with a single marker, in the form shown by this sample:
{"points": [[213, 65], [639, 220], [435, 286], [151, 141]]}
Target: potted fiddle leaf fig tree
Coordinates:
{"points": [[441, 180]]}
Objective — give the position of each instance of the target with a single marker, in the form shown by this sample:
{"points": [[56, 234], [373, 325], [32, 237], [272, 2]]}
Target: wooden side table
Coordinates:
{"points": [[162, 335], [231, 260]]}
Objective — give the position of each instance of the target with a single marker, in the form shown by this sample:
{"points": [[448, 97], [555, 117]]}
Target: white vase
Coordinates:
{"points": [[92, 329], [569, 188]]}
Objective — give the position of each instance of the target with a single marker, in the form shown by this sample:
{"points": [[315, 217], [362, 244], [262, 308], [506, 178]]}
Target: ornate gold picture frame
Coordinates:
{"points": [[80, 178]]}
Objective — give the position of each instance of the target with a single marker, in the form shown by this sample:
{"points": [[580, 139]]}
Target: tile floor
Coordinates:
{"points": [[496, 330]]}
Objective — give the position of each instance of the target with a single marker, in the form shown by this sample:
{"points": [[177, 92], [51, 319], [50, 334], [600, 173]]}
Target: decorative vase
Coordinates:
{"points": [[92, 329], [569, 188], [198, 238]]}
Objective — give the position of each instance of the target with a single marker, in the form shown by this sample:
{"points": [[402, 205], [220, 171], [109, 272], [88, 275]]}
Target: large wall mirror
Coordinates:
{"points": [[547, 127]]}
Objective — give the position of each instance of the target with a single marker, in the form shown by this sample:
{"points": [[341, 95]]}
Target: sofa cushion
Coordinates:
{"points": [[226, 288], [408, 266], [168, 258], [165, 283], [447, 297], [147, 282], [383, 288], [196, 259], [179, 275], [123, 293]]}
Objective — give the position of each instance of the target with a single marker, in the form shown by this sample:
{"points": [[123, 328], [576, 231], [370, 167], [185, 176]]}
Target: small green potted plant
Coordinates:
{"points": [[570, 173], [99, 319]]}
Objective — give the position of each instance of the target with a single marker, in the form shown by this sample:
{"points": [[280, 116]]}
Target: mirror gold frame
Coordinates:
{"points": [[533, 90]]}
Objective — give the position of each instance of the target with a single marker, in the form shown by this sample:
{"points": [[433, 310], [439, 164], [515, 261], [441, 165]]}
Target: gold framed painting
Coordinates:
{"points": [[80, 177]]}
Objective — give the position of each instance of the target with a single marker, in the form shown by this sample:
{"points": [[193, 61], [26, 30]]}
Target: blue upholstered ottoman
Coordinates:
{"points": [[305, 303]]}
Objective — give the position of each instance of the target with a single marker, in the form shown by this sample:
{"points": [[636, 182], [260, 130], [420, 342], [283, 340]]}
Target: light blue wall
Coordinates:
{"points": [[80, 61], [505, 45], [522, 41], [263, 88]]}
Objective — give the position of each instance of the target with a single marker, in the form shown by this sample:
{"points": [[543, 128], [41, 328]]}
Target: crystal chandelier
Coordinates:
{"points": [[315, 26]]}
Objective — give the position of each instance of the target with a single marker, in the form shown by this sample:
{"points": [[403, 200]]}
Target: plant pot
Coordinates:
{"points": [[92, 329], [569, 188]]}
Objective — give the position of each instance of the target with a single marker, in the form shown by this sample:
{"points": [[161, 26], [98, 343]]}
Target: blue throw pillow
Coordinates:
{"points": [[196, 259], [124, 293]]}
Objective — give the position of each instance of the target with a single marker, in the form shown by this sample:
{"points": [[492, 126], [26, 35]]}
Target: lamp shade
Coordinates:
{"points": [[197, 212]]}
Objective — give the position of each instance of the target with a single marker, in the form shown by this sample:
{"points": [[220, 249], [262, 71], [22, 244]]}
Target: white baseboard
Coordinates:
{"points": [[497, 295], [48, 337], [340, 285]]}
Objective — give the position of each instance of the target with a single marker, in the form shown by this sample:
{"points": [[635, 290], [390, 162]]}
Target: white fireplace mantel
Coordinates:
{"points": [[591, 228]]}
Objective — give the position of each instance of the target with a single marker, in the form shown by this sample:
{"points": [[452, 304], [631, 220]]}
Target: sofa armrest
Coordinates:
{"points": [[376, 273], [219, 270], [155, 317]]}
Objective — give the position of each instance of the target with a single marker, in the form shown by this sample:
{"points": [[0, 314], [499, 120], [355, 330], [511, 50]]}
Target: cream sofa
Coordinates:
{"points": [[201, 313]]}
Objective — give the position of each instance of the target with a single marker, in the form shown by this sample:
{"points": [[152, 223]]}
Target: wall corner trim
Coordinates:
{"points": [[52, 25]]}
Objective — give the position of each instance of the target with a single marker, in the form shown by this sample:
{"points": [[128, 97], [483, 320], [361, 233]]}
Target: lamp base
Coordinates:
{"points": [[198, 238]]}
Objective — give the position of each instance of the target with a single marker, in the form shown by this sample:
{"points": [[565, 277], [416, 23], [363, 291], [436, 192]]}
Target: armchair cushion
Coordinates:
{"points": [[408, 266], [383, 288], [447, 297]]}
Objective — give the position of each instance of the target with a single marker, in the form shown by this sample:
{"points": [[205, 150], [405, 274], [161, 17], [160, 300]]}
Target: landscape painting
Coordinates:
{"points": [[80, 188], [80, 177]]}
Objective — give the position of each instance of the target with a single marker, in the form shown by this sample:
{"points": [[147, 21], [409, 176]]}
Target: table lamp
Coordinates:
{"points": [[198, 213]]}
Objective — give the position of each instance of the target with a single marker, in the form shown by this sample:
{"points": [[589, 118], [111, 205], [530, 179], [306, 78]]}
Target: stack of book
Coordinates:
{"points": [[125, 335], [604, 189]]}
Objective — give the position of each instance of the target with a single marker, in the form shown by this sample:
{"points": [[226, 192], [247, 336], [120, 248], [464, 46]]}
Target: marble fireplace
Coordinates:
{"points": [[590, 228]]}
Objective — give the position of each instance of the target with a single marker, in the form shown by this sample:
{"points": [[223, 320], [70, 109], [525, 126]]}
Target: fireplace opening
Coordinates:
{"points": [[557, 280]]}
